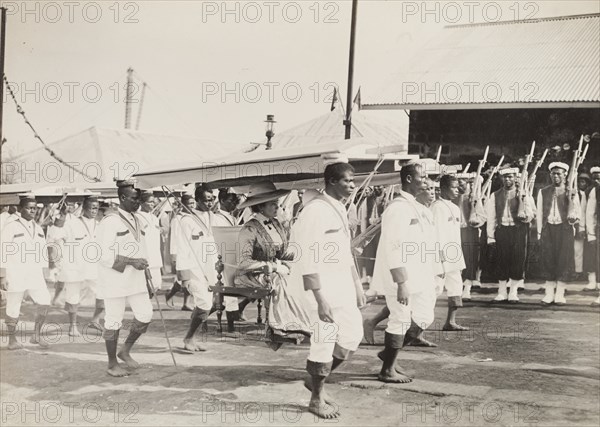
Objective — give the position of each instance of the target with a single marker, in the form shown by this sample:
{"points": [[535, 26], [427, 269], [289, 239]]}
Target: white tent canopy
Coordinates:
{"points": [[107, 154]]}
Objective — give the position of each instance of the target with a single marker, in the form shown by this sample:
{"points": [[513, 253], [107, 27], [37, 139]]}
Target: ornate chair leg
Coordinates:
{"points": [[220, 309], [259, 307]]}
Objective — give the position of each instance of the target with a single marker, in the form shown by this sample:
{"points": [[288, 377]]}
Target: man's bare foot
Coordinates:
{"points": [[117, 371], [454, 327], [323, 410], [15, 345], [326, 398], [126, 357], [419, 342], [169, 302], [39, 341], [190, 345], [74, 332], [394, 378], [396, 367], [369, 331]]}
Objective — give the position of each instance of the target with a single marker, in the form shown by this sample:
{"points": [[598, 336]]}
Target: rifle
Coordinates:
{"points": [[571, 188], [439, 155], [487, 187], [535, 169], [475, 198], [523, 190]]}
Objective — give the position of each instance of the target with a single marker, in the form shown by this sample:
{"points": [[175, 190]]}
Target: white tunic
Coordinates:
{"points": [[407, 242], [80, 249], [24, 255], [120, 233], [321, 241], [195, 245], [224, 219], [446, 219], [151, 227]]}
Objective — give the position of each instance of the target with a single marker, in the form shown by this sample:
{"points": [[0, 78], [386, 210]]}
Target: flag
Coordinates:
{"points": [[334, 99], [357, 100]]}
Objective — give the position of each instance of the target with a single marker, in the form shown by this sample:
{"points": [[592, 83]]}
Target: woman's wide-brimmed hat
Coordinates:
{"points": [[262, 192]]}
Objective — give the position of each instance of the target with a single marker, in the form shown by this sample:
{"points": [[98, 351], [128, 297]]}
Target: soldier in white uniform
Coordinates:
{"points": [[188, 204], [556, 233], [121, 276], [196, 258], [151, 227], [322, 237], [509, 233], [79, 269], [447, 221], [406, 264], [23, 247]]}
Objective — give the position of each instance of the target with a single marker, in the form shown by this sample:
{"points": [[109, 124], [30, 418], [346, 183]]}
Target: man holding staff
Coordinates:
{"points": [[121, 276]]}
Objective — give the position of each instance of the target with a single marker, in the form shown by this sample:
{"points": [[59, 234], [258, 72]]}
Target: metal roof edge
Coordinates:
{"points": [[524, 21]]}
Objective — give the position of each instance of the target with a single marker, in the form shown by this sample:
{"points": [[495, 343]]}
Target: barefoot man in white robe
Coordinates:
{"points": [[121, 277], [406, 263], [23, 243], [322, 236]]}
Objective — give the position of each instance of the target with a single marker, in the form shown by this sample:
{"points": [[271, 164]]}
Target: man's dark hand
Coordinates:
{"points": [[402, 295], [139, 264]]}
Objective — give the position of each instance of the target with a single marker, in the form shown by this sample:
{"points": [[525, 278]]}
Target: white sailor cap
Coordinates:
{"points": [[509, 170], [468, 175], [595, 169], [560, 165]]}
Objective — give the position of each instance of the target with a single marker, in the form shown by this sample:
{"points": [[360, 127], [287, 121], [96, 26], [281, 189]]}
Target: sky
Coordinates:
{"points": [[215, 69]]}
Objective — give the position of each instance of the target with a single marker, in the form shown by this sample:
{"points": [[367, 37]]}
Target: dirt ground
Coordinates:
{"points": [[518, 365]]}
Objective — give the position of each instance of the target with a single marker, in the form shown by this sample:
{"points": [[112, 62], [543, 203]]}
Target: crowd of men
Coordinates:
{"points": [[433, 236]]}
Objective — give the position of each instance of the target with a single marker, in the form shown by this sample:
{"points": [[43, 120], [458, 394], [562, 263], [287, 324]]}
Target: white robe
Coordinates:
{"points": [[116, 238], [321, 241], [447, 220], [407, 242], [24, 255]]}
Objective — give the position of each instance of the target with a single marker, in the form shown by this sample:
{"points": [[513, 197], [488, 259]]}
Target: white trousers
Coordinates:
{"points": [[420, 309], [199, 290], [452, 282], [75, 290], [346, 332], [140, 304], [14, 299], [579, 247]]}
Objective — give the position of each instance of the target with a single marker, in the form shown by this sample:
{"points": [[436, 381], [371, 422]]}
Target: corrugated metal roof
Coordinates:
{"points": [[532, 61]]}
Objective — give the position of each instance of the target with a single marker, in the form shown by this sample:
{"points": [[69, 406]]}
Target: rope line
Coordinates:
{"points": [[39, 138]]}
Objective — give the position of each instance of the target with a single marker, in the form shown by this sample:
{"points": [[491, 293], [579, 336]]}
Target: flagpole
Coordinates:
{"points": [[2, 52], [348, 121]]}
